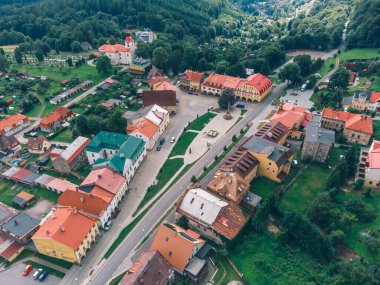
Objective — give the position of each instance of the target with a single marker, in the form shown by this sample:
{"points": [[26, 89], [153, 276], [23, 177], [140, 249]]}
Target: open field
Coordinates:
{"points": [[359, 53], [199, 123], [375, 86]]}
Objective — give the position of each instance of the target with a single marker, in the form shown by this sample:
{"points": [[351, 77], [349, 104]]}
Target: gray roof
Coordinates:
{"points": [[6, 212], [30, 178], [195, 266], [274, 151], [361, 93], [138, 114], [315, 133], [347, 100], [252, 199], [20, 225]]}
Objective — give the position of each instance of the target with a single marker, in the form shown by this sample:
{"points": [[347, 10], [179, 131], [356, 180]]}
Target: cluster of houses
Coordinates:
{"points": [[254, 88], [363, 101]]}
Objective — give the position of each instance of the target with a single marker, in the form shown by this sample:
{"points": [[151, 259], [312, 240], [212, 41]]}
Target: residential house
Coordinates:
{"points": [[20, 227], [119, 54], [294, 117], [318, 141], [73, 157], [243, 163], [149, 268], [211, 216], [139, 66], [274, 132], [191, 80], [154, 72], [127, 158], [155, 80], [164, 86], [214, 84], [54, 120], [91, 205], [104, 145], [228, 185], [38, 145], [274, 160], [66, 234], [165, 98], [255, 88], [23, 199], [363, 101], [8, 143], [107, 184], [13, 124], [369, 165], [356, 128], [179, 247]]}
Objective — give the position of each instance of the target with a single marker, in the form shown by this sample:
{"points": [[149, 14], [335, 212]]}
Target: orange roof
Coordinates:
{"points": [[85, 202], [360, 123], [105, 178], [175, 244], [25, 196], [11, 120], [145, 127], [335, 114], [291, 116], [103, 194], [259, 81], [106, 105], [50, 119], [129, 39], [222, 80], [375, 97], [114, 48], [157, 79], [194, 76], [66, 226], [164, 85], [374, 155]]}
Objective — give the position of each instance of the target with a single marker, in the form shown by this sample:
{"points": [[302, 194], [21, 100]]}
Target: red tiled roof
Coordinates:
{"points": [[163, 85], [129, 39], [222, 81], [291, 116], [272, 131], [104, 178], [193, 76], [375, 97], [114, 48], [145, 127], [259, 81], [374, 155], [360, 123], [59, 114], [21, 174], [106, 105], [11, 120], [156, 79], [335, 114], [10, 248]]}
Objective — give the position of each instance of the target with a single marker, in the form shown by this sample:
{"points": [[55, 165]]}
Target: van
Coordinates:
{"points": [[303, 87]]}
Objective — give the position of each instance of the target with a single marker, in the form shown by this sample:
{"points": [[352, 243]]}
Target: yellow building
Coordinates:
{"points": [[274, 160], [255, 88], [38, 145], [66, 234], [191, 80]]}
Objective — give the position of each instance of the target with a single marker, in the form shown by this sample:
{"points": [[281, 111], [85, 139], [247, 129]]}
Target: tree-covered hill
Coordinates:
{"points": [[364, 26]]}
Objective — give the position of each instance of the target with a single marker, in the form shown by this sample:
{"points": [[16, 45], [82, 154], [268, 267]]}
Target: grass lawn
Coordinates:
{"points": [[376, 130], [375, 86], [262, 186], [305, 189], [360, 86], [117, 279], [359, 53], [51, 271], [225, 272], [264, 260], [326, 66], [35, 111], [183, 143], [66, 136], [59, 262], [334, 156], [201, 122]]}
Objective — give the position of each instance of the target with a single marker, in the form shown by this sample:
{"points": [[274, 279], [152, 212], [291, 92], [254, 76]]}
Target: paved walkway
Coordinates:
{"points": [[199, 145]]}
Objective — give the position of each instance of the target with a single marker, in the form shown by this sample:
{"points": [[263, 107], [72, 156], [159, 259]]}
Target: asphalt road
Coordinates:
{"points": [[103, 274]]}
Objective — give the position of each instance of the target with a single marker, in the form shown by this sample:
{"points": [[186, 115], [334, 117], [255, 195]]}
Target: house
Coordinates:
{"points": [[94, 206], [255, 88], [151, 268], [214, 84], [145, 36], [58, 185], [356, 128], [191, 80], [9, 143], [23, 199], [164, 98], [38, 145], [127, 158], [228, 185], [73, 157], [13, 124], [164, 86], [363, 101], [145, 130], [274, 160], [20, 227], [369, 165], [318, 141], [251, 202], [107, 105], [154, 72], [242, 163], [157, 80], [107, 184], [212, 216], [274, 132], [66, 234], [21, 175], [139, 66], [119, 54], [53, 121], [294, 117], [115, 102], [179, 247]]}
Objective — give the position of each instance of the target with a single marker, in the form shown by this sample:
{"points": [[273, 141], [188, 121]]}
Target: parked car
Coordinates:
{"points": [[25, 155], [107, 226], [27, 270], [172, 140], [37, 273], [162, 140], [43, 276], [210, 108], [158, 147], [196, 94]]}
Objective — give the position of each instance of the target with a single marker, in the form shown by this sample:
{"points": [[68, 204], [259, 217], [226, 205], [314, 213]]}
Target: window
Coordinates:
{"points": [[270, 163], [170, 253], [166, 239]]}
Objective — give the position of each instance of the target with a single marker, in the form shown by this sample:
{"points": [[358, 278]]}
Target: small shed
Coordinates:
{"points": [[23, 199]]}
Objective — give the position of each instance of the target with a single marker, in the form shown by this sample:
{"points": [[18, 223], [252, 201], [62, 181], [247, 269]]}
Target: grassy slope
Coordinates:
{"points": [[183, 143]]}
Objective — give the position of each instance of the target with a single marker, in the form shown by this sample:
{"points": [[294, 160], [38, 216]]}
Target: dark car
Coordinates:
{"points": [[162, 140], [158, 147], [43, 276]]}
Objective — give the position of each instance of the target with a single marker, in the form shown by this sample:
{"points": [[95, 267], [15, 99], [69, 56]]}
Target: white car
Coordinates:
{"points": [[107, 226], [172, 140], [37, 273]]}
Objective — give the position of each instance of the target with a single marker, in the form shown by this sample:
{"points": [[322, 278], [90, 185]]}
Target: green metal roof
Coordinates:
{"points": [[106, 140]]}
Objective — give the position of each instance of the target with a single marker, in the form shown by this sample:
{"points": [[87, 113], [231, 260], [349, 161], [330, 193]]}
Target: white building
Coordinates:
{"points": [[119, 54]]}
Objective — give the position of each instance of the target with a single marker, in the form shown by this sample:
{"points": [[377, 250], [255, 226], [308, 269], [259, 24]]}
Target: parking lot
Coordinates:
{"points": [[13, 276], [302, 98]]}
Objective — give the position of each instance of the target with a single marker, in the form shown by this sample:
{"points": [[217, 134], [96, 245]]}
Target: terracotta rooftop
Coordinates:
{"points": [[273, 131], [336, 114], [374, 155], [375, 97], [352, 121], [104, 178], [291, 116], [259, 81], [7, 122], [163, 86], [225, 81], [114, 48], [66, 226], [57, 115], [145, 127], [193, 76]]}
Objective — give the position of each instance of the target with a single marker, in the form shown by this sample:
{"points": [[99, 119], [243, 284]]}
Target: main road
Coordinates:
{"points": [[103, 273]]}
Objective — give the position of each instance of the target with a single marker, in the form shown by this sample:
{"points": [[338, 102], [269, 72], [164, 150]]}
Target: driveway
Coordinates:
{"points": [[302, 98], [13, 276]]}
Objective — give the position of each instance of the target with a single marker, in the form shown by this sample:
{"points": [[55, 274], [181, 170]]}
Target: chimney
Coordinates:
{"points": [[62, 229], [81, 199], [99, 176], [47, 231]]}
